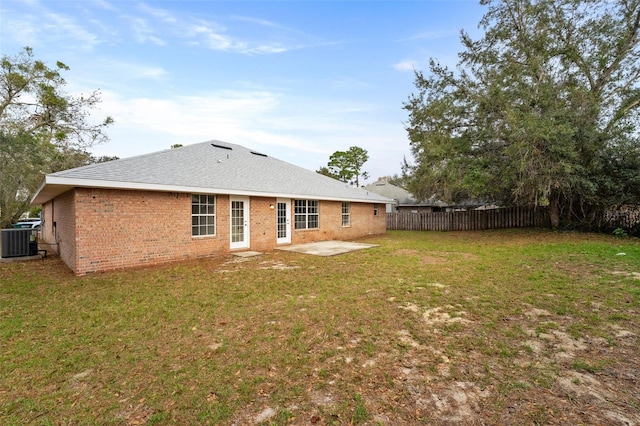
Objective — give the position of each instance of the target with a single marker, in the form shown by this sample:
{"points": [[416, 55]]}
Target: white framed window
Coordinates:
{"points": [[375, 209], [346, 214], [306, 214], [203, 215]]}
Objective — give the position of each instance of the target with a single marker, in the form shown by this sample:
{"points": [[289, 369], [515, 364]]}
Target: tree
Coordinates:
{"points": [[542, 110], [396, 180], [402, 180], [327, 172], [42, 128], [346, 166], [20, 169]]}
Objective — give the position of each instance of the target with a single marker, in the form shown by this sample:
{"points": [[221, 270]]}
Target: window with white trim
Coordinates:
{"points": [[306, 214], [346, 214], [203, 215], [375, 209]]}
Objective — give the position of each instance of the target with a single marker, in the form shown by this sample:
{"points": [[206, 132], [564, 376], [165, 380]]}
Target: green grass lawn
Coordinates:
{"points": [[495, 327]]}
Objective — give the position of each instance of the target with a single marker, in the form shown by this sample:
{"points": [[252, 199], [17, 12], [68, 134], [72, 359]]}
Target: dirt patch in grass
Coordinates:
{"points": [[505, 328]]}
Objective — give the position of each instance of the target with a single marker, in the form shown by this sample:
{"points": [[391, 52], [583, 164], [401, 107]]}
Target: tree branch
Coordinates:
{"points": [[631, 43]]}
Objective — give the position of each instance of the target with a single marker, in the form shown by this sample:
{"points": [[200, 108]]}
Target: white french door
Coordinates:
{"points": [[283, 221], [240, 231]]}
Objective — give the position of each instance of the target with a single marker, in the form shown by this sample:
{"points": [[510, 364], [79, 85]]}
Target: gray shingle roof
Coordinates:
{"points": [[207, 167], [391, 191], [403, 197]]}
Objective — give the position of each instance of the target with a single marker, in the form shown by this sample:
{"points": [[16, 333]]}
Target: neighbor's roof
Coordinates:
{"points": [[400, 195], [212, 167]]}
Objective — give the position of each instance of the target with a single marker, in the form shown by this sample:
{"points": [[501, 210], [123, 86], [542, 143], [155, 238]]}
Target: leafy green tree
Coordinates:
{"points": [[346, 166], [42, 128], [20, 167], [542, 110]]}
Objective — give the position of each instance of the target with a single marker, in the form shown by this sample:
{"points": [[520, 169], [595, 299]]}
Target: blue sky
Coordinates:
{"points": [[297, 80]]}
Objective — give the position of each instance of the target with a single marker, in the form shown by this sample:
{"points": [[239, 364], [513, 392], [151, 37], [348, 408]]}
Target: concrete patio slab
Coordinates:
{"points": [[20, 258], [246, 253], [327, 248]]}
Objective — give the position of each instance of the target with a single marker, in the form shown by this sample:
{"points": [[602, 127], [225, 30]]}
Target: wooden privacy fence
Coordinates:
{"points": [[626, 218], [473, 220]]}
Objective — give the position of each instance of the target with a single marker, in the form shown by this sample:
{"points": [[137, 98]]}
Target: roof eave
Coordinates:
{"points": [[52, 186]]}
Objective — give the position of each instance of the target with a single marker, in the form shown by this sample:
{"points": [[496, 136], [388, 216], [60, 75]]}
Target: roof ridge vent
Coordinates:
{"points": [[222, 146], [258, 153]]}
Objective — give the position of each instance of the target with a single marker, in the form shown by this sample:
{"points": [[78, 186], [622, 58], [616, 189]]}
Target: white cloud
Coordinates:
{"points": [[144, 33], [64, 27], [217, 39], [302, 131], [269, 48], [105, 5], [292, 32], [25, 31], [37, 25], [407, 65], [213, 35], [40, 24], [190, 117], [258, 21], [109, 75], [160, 14], [134, 71]]}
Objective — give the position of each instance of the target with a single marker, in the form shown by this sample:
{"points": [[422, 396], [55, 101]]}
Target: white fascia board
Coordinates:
{"points": [[112, 184], [98, 183], [40, 187]]}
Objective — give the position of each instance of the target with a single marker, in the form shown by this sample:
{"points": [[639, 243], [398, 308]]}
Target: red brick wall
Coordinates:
{"points": [[263, 223], [120, 229], [363, 223], [104, 229]]}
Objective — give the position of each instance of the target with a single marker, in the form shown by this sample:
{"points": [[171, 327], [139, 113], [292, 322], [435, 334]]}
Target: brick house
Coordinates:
{"points": [[199, 200]]}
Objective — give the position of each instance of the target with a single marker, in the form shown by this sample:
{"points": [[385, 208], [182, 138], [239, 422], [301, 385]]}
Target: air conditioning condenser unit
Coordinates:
{"points": [[19, 242]]}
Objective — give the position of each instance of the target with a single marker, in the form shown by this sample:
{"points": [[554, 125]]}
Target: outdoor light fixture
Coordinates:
{"points": [[271, 206]]}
